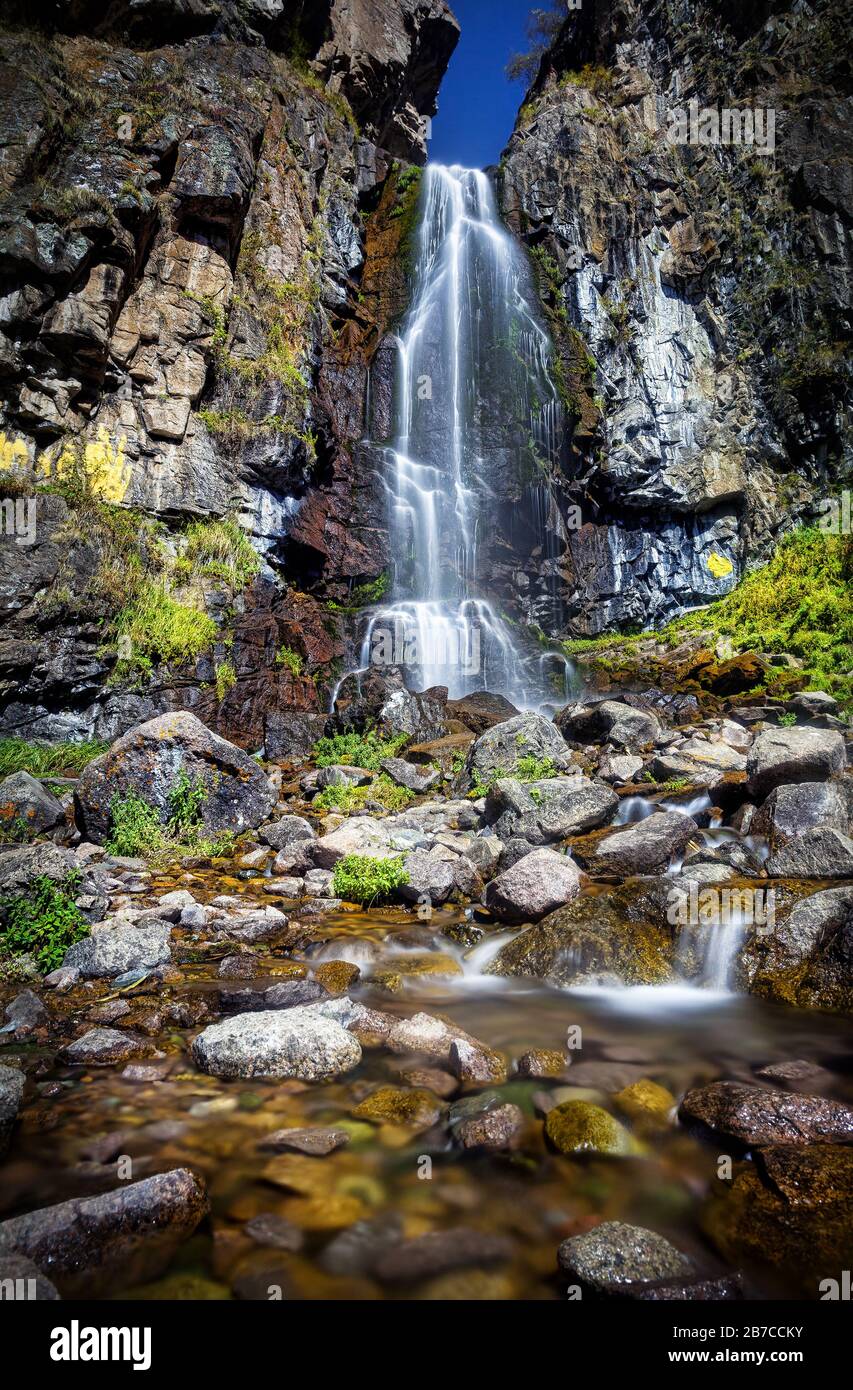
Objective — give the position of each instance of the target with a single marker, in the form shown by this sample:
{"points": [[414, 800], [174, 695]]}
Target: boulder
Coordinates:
{"points": [[147, 761], [500, 748], [19, 867], [544, 811], [114, 947], [11, 1093], [428, 876], [647, 847], [752, 1115], [93, 1246], [818, 853], [537, 884], [104, 1047], [781, 756], [807, 960], [359, 835], [25, 1013], [378, 699], [288, 830], [589, 939], [24, 802], [615, 1254], [620, 767], [290, 735], [792, 809], [481, 710], [300, 1042], [407, 775], [609, 721]]}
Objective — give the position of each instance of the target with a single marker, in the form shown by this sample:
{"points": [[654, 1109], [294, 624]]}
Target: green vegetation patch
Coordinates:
{"points": [[359, 879], [137, 829], [358, 750], [43, 922], [47, 759], [348, 798]]}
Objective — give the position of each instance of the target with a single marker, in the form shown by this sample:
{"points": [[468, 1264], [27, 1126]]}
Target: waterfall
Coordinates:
{"points": [[478, 430]]}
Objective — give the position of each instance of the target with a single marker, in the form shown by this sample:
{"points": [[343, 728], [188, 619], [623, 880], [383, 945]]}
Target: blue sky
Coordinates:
{"points": [[477, 103]]}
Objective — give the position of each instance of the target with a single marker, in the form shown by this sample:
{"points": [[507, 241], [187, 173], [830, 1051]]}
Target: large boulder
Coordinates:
{"points": [[500, 749], [648, 847], [549, 809], [115, 947], [360, 835], [26, 804], [793, 755], [11, 1091], [300, 1042], [808, 959], [290, 735], [379, 699], [751, 1115], [480, 710], [819, 853], [94, 1245], [790, 810], [590, 939], [148, 760], [534, 886], [609, 721], [21, 866]]}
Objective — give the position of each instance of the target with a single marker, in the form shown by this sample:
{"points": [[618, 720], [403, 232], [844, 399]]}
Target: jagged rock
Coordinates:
{"points": [[818, 853], [407, 775], [752, 1116], [480, 710], [609, 721], [647, 847], [500, 748], [790, 810], [620, 767], [291, 734], [147, 761], [297, 1042], [548, 810], [428, 875], [615, 1254], [95, 1245], [781, 756], [25, 802], [11, 1093], [19, 867], [534, 886], [114, 947], [379, 699]]}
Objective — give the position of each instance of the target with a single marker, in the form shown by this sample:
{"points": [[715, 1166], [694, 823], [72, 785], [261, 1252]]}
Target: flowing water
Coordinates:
{"points": [[478, 432]]}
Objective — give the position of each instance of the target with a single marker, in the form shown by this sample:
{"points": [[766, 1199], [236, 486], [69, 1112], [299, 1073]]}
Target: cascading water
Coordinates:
{"points": [[478, 432]]}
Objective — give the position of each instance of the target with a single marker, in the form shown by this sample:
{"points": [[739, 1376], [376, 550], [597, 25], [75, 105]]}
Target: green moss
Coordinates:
{"points": [[360, 879], [358, 750], [348, 798], [577, 1126]]}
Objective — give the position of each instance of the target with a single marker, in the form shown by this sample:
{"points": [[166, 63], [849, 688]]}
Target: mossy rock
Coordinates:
{"points": [[337, 976], [589, 938], [390, 1105], [180, 1288], [577, 1126], [645, 1100]]}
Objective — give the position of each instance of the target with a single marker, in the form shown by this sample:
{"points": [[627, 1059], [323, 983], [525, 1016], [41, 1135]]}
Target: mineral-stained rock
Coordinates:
{"points": [[480, 710], [493, 1129], [95, 1245], [24, 802], [148, 761], [535, 885], [587, 939], [297, 1042], [19, 867], [614, 1254], [784, 756], [11, 1092], [391, 1105], [751, 1115], [806, 959]]}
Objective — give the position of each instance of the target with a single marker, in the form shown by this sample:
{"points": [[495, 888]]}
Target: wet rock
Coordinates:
{"points": [[95, 1245], [27, 1280], [548, 810], [588, 939], [615, 1254], [318, 883], [576, 1126], [438, 1251], [500, 748], [781, 756], [609, 721], [441, 1083], [752, 1116], [114, 947], [357, 1250], [472, 1061], [411, 1109], [24, 802], [269, 1229], [541, 1061], [297, 1042], [645, 1099], [147, 760], [286, 831], [11, 1094], [790, 810], [820, 853], [336, 976], [726, 1288], [494, 1130], [797, 1073], [25, 1013], [647, 847], [481, 710], [315, 1142], [287, 995], [253, 927], [379, 699], [104, 1047], [241, 965], [534, 886]]}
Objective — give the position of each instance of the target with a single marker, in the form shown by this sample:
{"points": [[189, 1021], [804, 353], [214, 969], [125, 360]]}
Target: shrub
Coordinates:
{"points": [[135, 826], [43, 922], [351, 798], [186, 797], [358, 750], [531, 769], [359, 879], [286, 656]]}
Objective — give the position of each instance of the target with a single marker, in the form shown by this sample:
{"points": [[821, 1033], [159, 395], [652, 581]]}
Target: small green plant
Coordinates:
{"points": [[788, 719], [15, 830], [43, 922], [154, 627], [358, 750], [187, 795], [218, 549], [135, 826], [531, 769], [349, 798], [359, 879], [286, 656], [226, 678]]}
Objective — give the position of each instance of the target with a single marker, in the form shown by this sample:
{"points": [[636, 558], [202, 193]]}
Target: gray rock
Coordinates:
{"points": [[536, 885], [544, 811], [500, 748], [25, 1012], [407, 775], [428, 875], [11, 1093], [318, 883], [494, 1129], [647, 847], [316, 1142], [291, 735], [26, 1281], [299, 1042], [809, 702], [820, 853], [113, 947], [615, 1253], [341, 775], [609, 721], [288, 994], [359, 835], [620, 767], [26, 801], [18, 867], [425, 1256], [781, 756], [103, 1047], [276, 1231], [288, 830], [790, 810], [753, 1115]]}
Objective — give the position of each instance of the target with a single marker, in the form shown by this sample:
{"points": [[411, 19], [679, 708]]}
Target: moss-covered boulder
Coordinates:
{"points": [[589, 939], [645, 1100], [577, 1126], [391, 1105]]}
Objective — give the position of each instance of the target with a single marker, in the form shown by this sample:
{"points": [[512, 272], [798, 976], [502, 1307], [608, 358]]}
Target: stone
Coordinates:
{"points": [[298, 1042], [609, 721], [548, 810], [104, 1047], [407, 775], [615, 1253], [25, 1013], [587, 940], [315, 1142], [500, 748], [11, 1094], [577, 1126], [291, 734], [114, 947], [784, 756], [647, 847], [645, 1099], [19, 867], [360, 835], [267, 1228], [287, 830], [806, 960], [337, 976], [537, 884], [494, 1129], [474, 1062], [620, 767], [790, 810], [428, 876], [438, 1251], [541, 1061], [93, 1246], [148, 760], [752, 1115], [409, 1108], [25, 803], [819, 853]]}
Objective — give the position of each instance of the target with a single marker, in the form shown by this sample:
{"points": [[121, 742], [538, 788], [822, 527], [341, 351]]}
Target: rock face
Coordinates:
{"points": [[97, 1244], [664, 307], [148, 761], [298, 1042]]}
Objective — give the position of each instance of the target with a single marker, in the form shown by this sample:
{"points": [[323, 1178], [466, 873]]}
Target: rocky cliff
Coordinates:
{"points": [[698, 290], [203, 228]]}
